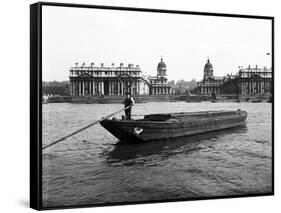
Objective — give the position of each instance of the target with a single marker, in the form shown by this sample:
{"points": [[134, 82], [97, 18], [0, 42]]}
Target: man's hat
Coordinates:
{"points": [[128, 93]]}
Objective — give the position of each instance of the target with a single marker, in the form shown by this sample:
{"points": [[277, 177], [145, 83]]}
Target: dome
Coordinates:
{"points": [[161, 64], [208, 65]]}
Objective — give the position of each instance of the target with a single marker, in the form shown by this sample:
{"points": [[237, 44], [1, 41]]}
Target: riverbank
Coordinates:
{"points": [[158, 98]]}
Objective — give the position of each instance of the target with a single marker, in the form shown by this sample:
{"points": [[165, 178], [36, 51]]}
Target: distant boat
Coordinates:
{"points": [[141, 101], [45, 99], [193, 101], [172, 125], [225, 100], [256, 101]]}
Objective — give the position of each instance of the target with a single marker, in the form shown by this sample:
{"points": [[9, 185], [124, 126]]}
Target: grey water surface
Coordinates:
{"points": [[92, 168]]}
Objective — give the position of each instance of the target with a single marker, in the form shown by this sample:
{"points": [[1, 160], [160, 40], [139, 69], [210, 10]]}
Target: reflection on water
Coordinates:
{"points": [[92, 168], [122, 153]]}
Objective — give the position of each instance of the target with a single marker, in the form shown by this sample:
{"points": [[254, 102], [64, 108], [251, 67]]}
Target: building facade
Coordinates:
{"points": [[255, 80], [248, 81], [210, 83], [101, 80], [159, 83]]}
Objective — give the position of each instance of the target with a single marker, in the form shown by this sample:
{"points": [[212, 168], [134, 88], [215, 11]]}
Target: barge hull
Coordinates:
{"points": [[155, 130]]}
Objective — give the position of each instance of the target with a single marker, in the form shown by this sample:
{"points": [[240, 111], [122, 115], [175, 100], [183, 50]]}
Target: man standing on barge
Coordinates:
{"points": [[129, 101]]}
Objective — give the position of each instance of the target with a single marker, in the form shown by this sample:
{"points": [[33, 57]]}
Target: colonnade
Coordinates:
{"points": [[255, 87], [208, 90], [83, 87], [160, 91]]}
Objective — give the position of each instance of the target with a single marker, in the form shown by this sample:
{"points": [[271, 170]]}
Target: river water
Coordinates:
{"points": [[92, 168]]}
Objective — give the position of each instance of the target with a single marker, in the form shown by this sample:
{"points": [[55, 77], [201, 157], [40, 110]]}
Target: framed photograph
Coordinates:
{"points": [[135, 105]]}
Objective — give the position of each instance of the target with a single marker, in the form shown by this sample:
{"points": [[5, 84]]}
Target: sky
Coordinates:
{"points": [[71, 35]]}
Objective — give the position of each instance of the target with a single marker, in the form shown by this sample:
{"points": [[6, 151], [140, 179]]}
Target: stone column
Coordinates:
{"points": [[109, 88], [251, 87], [112, 87], [76, 87], [79, 87], [73, 87], [82, 88], [90, 87], [70, 87], [102, 88], [93, 87], [97, 87]]}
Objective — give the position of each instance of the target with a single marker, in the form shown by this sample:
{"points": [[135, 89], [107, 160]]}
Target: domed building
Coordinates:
{"points": [[158, 84], [208, 69], [210, 83]]}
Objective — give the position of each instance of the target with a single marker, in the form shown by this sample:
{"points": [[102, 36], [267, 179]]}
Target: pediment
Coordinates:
{"points": [[125, 75], [84, 75], [256, 76]]}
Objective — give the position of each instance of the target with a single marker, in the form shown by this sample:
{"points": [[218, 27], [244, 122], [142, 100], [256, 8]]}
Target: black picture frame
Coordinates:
{"points": [[36, 100]]}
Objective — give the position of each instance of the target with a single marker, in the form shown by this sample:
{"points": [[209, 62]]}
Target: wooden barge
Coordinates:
{"points": [[172, 125]]}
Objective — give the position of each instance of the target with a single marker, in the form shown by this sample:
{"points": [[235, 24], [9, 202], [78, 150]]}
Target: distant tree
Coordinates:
{"points": [[55, 88], [171, 83], [183, 87]]}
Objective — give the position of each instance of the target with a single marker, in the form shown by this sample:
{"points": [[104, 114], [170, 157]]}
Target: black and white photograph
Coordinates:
{"points": [[145, 106]]}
